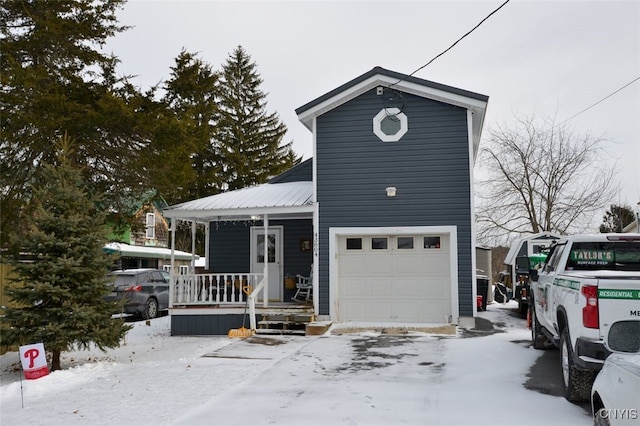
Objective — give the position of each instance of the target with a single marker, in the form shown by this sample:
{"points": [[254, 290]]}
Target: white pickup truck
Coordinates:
{"points": [[587, 283]]}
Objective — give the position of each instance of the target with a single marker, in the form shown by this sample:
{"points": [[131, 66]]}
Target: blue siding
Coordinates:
{"points": [[429, 167], [230, 246], [206, 325], [302, 172]]}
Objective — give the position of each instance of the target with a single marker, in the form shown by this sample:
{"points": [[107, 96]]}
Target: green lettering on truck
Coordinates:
{"points": [[573, 285], [605, 293]]}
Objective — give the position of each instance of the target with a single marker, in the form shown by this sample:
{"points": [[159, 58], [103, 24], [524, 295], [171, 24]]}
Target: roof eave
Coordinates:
{"points": [[475, 102], [241, 213]]}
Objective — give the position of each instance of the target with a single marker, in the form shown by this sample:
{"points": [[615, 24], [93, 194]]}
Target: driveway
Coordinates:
{"points": [[486, 375]]}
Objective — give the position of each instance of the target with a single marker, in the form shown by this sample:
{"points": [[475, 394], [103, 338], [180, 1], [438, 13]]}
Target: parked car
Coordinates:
{"points": [[615, 396], [143, 292]]}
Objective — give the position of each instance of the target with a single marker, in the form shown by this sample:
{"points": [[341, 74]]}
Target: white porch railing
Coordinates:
{"points": [[207, 289]]}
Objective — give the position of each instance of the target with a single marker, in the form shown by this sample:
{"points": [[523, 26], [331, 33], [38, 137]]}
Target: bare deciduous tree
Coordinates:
{"points": [[540, 176]]}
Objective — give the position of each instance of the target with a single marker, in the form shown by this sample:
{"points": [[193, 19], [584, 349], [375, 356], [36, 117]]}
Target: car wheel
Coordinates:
{"points": [[538, 339], [576, 384], [601, 418], [150, 309]]}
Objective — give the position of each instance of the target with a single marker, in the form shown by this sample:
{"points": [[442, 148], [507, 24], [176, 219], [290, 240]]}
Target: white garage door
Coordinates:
{"points": [[394, 278]]}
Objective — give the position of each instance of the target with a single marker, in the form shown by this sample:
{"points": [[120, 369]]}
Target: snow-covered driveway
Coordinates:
{"points": [[357, 378]]}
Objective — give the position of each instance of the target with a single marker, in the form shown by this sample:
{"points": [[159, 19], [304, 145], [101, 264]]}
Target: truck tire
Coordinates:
{"points": [[538, 339], [576, 384]]}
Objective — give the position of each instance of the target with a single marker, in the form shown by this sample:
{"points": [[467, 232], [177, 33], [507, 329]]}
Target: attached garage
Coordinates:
{"points": [[406, 275]]}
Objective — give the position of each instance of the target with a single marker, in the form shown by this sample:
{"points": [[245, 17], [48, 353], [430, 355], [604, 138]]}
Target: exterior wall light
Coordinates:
{"points": [[391, 191]]}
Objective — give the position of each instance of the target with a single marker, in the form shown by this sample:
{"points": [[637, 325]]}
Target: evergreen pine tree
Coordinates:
{"points": [[250, 139], [616, 218], [59, 295], [192, 94], [55, 80]]}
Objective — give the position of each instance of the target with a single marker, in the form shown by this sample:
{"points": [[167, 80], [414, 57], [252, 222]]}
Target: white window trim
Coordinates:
{"points": [[151, 226], [377, 124]]}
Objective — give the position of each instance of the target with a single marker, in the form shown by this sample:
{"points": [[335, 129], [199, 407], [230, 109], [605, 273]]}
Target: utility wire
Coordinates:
{"points": [[601, 100], [456, 42]]}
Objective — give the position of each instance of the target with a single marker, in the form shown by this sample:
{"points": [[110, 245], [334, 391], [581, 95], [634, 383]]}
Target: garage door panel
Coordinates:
{"points": [[353, 267], [357, 310], [378, 309], [407, 311], [421, 288], [424, 265], [354, 288], [435, 311], [380, 288], [379, 265], [394, 285]]}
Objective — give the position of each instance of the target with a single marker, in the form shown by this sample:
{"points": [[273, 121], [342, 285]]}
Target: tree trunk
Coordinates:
{"points": [[55, 360]]}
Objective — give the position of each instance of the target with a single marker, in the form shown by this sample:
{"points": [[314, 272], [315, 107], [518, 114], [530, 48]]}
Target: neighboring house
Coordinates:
{"points": [[134, 257], [383, 212], [144, 243], [150, 228]]}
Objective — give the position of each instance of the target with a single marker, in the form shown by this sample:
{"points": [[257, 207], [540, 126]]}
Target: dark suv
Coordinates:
{"points": [[144, 292]]}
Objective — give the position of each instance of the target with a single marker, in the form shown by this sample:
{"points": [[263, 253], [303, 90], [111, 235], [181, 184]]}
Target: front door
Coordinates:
{"points": [[274, 258]]}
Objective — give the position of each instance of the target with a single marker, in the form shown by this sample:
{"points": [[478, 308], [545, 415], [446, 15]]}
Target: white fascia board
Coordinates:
{"points": [[477, 106], [255, 211], [473, 149], [394, 230]]}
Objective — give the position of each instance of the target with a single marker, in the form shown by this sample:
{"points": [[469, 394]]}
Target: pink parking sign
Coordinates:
{"points": [[34, 361]]}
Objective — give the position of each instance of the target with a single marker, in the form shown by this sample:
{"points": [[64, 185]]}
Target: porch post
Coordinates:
{"points": [[265, 299], [192, 269], [206, 246], [173, 259]]}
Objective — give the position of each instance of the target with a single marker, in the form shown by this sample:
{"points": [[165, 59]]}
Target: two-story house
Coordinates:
{"points": [[382, 213]]}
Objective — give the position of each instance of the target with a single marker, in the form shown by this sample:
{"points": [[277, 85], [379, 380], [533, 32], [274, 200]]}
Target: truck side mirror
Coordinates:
{"points": [[533, 274]]}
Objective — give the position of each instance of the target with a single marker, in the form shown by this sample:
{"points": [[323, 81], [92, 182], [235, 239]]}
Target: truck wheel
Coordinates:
{"points": [[576, 384], [538, 339]]}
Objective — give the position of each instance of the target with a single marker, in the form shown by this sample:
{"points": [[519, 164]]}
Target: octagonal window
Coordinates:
{"points": [[390, 125]]}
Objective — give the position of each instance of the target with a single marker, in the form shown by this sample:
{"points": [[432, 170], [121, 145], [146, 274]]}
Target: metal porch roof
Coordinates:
{"points": [[284, 199], [126, 250]]}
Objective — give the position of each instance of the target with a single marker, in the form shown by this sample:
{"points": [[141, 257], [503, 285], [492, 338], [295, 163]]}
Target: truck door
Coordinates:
{"points": [[545, 280]]}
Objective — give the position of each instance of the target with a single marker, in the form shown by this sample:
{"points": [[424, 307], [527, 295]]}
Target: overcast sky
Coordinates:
{"points": [[547, 58]]}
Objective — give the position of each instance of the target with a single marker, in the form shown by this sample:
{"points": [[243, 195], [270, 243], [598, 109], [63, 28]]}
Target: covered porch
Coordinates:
{"points": [[257, 238]]}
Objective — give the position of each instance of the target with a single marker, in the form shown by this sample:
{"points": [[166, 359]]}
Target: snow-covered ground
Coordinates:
{"points": [[356, 378]]}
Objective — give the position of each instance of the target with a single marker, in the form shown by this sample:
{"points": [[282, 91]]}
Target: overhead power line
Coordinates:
{"points": [[456, 42], [601, 100]]}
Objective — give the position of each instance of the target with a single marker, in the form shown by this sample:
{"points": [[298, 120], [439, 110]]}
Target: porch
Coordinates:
{"points": [[266, 232], [214, 303]]}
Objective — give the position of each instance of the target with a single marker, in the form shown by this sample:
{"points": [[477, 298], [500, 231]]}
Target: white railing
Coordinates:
{"points": [[207, 289]]}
